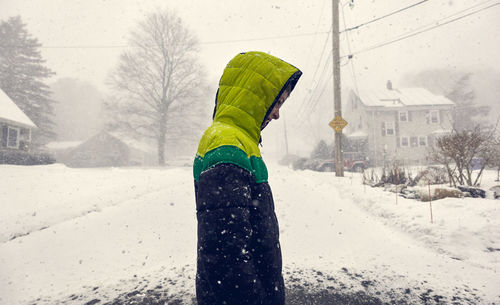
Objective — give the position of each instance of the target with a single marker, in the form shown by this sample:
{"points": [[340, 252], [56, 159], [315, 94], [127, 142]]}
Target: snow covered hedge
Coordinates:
{"points": [[25, 158]]}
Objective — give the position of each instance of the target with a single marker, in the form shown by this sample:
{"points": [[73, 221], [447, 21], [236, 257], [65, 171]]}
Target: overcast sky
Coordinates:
{"points": [[100, 27], [83, 38]]}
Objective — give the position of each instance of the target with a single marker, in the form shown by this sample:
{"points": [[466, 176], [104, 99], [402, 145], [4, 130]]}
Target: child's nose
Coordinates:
{"points": [[276, 114]]}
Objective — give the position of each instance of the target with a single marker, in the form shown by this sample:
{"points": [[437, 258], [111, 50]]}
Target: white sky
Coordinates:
{"points": [[470, 42], [98, 25]]}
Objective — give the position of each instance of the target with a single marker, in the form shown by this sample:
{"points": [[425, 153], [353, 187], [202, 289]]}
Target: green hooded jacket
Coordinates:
{"points": [[249, 88]]}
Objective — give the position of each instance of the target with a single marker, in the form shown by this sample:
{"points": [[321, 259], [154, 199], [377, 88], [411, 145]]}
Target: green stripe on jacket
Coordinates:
{"points": [[231, 154]]}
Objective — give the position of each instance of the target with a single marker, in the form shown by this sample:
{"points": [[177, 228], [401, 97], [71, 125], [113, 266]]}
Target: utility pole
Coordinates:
{"points": [[339, 158]]}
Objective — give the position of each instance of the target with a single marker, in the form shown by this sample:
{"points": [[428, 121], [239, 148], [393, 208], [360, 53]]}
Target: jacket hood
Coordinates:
{"points": [[250, 86]]}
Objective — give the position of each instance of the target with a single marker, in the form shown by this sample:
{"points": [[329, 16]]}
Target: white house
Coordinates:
{"points": [[15, 126], [398, 124]]}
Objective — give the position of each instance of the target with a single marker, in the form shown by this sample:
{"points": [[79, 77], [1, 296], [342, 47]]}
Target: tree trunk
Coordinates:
{"points": [[479, 175], [450, 176], [460, 174], [469, 175], [161, 143]]}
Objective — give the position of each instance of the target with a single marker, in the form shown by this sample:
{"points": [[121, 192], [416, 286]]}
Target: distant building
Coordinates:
{"points": [[398, 124], [15, 126], [105, 149], [60, 150]]}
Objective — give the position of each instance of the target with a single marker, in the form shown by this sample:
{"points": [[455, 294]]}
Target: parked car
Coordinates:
{"points": [[353, 161]]}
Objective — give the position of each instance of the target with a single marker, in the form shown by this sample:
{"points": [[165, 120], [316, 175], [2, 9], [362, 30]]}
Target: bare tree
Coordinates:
{"points": [[159, 70], [459, 150]]}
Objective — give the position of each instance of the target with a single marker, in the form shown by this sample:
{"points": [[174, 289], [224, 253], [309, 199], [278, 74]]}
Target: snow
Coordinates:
{"points": [[61, 145], [74, 234], [9, 111], [358, 134], [402, 97]]}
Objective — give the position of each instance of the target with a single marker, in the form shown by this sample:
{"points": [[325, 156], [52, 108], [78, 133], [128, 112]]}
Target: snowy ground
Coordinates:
{"points": [[109, 236]]}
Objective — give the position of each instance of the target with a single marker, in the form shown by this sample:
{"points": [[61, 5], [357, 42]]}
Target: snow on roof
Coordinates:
{"points": [[358, 134], [10, 112], [136, 144], [402, 97], [62, 145], [441, 131]]}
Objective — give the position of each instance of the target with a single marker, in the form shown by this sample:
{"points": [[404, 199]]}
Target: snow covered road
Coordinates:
{"points": [[90, 235]]}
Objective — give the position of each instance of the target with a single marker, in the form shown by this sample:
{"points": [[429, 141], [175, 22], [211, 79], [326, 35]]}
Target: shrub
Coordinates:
{"points": [[461, 152], [394, 175], [433, 174], [25, 158], [440, 193]]}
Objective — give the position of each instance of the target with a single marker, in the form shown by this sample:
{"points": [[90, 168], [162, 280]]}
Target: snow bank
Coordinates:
{"points": [[80, 235]]}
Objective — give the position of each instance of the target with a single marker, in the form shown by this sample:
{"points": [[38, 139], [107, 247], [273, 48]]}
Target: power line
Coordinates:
{"points": [[314, 103], [407, 35], [321, 93], [416, 32], [322, 52], [385, 16], [201, 43], [311, 103], [353, 72], [264, 38], [316, 30], [303, 105]]}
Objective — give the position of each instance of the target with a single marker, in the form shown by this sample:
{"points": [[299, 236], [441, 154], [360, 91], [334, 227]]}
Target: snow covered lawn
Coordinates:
{"points": [[80, 236]]}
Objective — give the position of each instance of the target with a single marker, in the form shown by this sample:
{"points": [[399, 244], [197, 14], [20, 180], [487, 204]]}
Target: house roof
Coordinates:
{"points": [[61, 145], [10, 112], [123, 138], [402, 97], [358, 134], [130, 142]]}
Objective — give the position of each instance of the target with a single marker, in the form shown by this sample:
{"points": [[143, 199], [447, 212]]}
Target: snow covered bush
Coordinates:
{"points": [[432, 175], [25, 158], [461, 150], [441, 193], [394, 175], [388, 176]]}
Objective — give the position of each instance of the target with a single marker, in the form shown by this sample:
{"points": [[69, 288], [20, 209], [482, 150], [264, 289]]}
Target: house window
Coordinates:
{"points": [[422, 141], [430, 141], [414, 141], [404, 142], [434, 116], [403, 116], [13, 137], [389, 128]]}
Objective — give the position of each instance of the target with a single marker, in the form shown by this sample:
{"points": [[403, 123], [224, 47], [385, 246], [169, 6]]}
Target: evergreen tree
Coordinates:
{"points": [[322, 151], [458, 87], [22, 77], [467, 113]]}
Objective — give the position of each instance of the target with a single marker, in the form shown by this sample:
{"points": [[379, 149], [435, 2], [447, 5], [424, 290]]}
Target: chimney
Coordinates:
{"points": [[389, 85]]}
